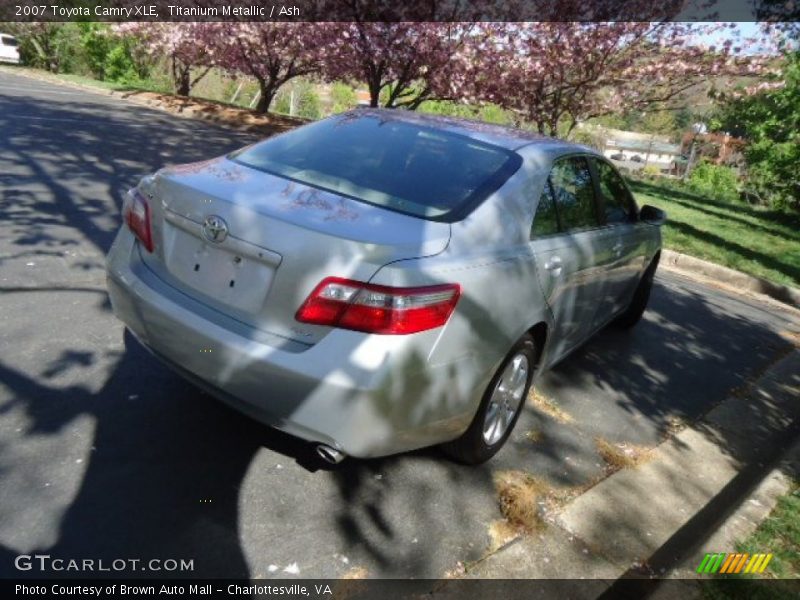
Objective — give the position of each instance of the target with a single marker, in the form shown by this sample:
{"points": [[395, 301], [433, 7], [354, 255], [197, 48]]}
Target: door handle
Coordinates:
{"points": [[553, 265]]}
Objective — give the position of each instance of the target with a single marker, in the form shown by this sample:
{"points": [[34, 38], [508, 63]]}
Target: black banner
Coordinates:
{"points": [[399, 10], [394, 589]]}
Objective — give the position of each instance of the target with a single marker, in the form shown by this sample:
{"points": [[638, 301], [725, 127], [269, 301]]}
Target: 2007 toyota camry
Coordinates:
{"points": [[381, 280]]}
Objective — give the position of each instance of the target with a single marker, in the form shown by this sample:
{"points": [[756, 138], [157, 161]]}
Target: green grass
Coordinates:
{"points": [[779, 534], [146, 86], [747, 238]]}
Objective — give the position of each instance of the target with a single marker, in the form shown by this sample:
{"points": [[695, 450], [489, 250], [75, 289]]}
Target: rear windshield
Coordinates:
{"points": [[8, 41], [401, 166]]}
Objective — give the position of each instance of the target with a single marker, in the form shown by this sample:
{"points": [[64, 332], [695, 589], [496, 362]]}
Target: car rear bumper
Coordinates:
{"points": [[365, 395]]}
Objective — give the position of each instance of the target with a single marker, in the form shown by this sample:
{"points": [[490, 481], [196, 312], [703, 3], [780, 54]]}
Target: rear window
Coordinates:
{"points": [[401, 166], [8, 41]]}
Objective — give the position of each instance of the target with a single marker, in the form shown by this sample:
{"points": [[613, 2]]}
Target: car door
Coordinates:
{"points": [[624, 251], [564, 242]]}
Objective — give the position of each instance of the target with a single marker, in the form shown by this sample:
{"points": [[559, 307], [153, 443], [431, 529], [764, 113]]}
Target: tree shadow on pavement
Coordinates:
{"points": [[163, 475]]}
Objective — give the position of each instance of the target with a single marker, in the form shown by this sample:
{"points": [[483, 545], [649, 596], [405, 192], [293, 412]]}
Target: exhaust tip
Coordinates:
{"points": [[330, 455]]}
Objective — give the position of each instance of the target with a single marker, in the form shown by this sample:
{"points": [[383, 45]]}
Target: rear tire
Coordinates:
{"points": [[633, 314], [500, 407]]}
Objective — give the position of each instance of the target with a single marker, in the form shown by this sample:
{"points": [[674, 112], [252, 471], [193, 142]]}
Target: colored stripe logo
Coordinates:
{"points": [[721, 562]]}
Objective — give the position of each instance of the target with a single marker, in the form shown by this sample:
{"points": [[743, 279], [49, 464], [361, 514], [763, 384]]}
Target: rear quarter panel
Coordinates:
{"points": [[490, 258]]}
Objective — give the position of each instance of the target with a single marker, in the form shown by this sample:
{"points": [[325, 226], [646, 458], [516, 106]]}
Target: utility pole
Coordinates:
{"points": [[697, 128], [649, 149]]}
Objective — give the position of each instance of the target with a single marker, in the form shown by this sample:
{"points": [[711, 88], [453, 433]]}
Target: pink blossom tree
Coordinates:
{"points": [[272, 53], [555, 74], [406, 62]]}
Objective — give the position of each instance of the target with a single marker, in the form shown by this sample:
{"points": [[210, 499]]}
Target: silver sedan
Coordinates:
{"points": [[380, 281]]}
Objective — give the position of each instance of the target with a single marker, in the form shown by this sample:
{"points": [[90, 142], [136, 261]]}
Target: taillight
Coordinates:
{"points": [[378, 309], [136, 212]]}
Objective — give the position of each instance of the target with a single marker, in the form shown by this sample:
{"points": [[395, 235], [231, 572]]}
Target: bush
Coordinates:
{"points": [[343, 96], [489, 113], [447, 108], [50, 46], [769, 121], [119, 67], [714, 181], [651, 171], [95, 45], [306, 100]]}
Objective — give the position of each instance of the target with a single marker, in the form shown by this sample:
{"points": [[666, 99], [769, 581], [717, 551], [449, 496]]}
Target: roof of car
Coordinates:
{"points": [[498, 135]]}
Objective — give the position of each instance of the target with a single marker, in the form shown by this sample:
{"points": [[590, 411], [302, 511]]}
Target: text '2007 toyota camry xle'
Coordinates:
{"points": [[380, 280]]}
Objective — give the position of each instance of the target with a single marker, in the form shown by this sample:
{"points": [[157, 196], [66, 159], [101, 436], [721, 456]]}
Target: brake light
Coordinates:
{"points": [[136, 212], [361, 306]]}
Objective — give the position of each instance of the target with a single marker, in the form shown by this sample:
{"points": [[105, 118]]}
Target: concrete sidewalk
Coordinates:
{"points": [[707, 486]]}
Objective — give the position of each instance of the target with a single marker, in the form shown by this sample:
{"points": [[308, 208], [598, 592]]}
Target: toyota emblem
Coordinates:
{"points": [[215, 229]]}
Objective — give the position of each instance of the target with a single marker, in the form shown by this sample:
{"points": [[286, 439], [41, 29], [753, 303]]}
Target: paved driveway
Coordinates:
{"points": [[104, 453]]}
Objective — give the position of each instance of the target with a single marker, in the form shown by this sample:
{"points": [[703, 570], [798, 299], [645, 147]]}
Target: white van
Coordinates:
{"points": [[9, 48]]}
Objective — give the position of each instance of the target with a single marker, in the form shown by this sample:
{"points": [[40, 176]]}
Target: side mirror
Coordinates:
{"points": [[652, 215]]}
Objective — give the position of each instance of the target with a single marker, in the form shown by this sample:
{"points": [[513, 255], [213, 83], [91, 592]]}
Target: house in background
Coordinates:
{"points": [[635, 150], [662, 154]]}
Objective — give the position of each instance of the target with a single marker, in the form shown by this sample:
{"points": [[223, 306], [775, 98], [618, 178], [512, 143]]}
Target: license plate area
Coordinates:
{"points": [[234, 273]]}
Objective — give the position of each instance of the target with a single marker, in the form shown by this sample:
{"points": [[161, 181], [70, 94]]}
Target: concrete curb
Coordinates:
{"points": [[730, 277], [707, 486], [749, 515]]}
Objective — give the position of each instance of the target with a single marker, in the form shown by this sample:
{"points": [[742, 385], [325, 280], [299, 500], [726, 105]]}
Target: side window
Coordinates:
{"points": [[574, 193], [616, 198], [546, 220]]}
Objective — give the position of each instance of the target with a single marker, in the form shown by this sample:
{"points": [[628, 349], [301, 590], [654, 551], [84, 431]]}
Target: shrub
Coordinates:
{"points": [[50, 46], [95, 46], [651, 171], [714, 181], [306, 100], [491, 113], [343, 96]]}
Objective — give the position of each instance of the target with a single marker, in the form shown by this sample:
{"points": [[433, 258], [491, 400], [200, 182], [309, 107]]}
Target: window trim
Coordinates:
{"points": [[559, 228], [633, 216]]}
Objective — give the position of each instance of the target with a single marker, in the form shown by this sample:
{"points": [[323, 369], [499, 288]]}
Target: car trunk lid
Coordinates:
{"points": [[254, 245]]}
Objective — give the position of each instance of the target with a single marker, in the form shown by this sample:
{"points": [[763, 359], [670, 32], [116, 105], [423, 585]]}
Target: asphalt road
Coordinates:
{"points": [[104, 453]]}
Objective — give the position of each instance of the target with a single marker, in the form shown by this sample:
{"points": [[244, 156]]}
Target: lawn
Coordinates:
{"points": [[778, 534], [747, 238]]}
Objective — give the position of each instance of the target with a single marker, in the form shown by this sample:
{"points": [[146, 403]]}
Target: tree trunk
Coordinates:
{"points": [[374, 93], [267, 91], [182, 77]]}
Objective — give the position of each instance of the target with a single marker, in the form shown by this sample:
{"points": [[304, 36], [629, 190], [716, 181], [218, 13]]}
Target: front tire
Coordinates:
{"points": [[500, 407], [633, 314]]}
